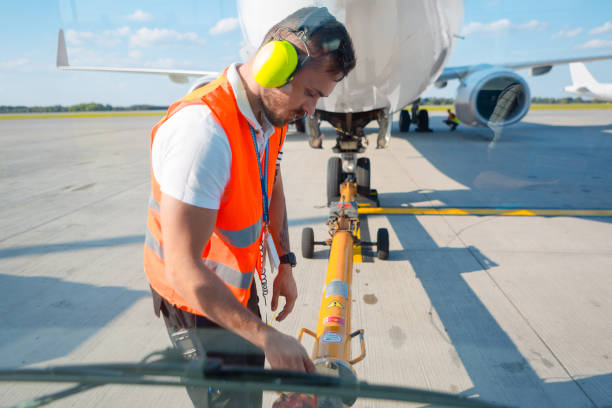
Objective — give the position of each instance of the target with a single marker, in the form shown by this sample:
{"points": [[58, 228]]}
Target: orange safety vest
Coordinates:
{"points": [[233, 250]]}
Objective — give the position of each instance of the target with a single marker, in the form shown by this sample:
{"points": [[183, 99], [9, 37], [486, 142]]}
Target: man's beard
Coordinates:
{"points": [[272, 107]]}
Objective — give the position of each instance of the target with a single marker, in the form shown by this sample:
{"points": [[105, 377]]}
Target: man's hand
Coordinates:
{"points": [[286, 353], [284, 285]]}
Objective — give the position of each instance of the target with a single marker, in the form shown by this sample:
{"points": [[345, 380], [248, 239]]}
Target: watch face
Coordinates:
{"points": [[289, 258], [292, 259]]}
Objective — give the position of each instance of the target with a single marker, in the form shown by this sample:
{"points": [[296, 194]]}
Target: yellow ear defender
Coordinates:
{"points": [[275, 64]]}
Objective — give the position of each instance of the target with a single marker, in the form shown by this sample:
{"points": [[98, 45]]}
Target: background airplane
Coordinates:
{"points": [[402, 48], [584, 84]]}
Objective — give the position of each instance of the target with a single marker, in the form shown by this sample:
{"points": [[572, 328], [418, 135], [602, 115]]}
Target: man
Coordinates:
{"points": [[452, 120], [215, 172]]}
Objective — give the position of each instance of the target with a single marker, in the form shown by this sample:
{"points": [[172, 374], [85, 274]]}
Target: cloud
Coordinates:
{"points": [[107, 38], [150, 37], [79, 37], [595, 44], [12, 64], [143, 37], [140, 16], [568, 33], [224, 25], [136, 54], [166, 63], [533, 25], [495, 26], [501, 25], [160, 63], [602, 29], [119, 32]]}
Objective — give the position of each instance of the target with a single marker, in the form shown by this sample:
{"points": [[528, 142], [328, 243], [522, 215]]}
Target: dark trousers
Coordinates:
{"points": [[452, 124], [197, 337]]}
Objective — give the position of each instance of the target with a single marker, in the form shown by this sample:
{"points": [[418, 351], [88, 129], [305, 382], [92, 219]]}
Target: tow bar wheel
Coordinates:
{"points": [[308, 243], [382, 243]]}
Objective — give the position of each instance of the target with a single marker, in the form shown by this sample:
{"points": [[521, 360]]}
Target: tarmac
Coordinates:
{"points": [[513, 309]]}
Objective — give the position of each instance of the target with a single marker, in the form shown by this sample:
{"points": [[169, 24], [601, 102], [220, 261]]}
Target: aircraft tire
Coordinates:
{"points": [[404, 121], [300, 125], [362, 174], [307, 243], [382, 243], [334, 178], [423, 121]]}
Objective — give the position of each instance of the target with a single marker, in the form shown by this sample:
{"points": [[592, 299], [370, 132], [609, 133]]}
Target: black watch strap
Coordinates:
{"points": [[288, 258]]}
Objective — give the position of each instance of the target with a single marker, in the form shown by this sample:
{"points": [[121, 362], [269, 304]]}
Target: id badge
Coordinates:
{"points": [[271, 251]]}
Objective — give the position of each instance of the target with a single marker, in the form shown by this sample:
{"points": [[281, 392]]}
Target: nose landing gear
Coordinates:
{"points": [[345, 168]]}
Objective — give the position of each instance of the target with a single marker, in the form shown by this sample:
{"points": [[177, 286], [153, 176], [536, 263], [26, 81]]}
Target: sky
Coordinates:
{"points": [[205, 35]]}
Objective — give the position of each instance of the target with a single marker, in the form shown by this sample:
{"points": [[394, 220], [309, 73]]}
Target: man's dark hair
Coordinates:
{"points": [[328, 39]]}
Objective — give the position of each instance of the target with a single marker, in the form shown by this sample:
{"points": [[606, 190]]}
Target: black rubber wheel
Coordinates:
{"points": [[300, 125], [308, 243], [362, 174], [404, 121], [382, 243], [423, 121], [334, 178]]}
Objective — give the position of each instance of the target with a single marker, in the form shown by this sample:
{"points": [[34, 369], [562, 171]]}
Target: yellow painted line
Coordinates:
{"points": [[486, 211], [558, 106], [437, 108], [537, 106], [273, 316], [357, 256], [80, 115]]}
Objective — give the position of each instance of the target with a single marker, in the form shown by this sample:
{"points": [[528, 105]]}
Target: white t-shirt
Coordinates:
{"points": [[191, 155]]}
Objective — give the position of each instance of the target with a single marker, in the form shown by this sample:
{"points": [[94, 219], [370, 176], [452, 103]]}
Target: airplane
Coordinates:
{"points": [[584, 84], [402, 48]]}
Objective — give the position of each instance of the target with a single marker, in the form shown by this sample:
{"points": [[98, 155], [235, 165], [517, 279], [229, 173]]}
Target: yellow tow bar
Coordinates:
{"points": [[333, 337]]}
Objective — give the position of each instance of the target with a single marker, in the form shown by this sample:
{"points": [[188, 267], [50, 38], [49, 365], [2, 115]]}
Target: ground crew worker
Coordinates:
{"points": [[452, 121], [217, 199]]}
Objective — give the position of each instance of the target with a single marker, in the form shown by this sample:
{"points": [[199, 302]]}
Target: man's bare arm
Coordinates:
{"points": [[284, 283], [186, 230], [279, 226]]}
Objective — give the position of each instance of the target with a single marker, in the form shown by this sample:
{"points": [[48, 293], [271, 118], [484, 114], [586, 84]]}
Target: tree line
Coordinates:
{"points": [[99, 107], [81, 107]]}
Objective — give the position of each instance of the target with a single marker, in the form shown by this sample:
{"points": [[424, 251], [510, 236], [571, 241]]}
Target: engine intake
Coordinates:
{"points": [[492, 97]]}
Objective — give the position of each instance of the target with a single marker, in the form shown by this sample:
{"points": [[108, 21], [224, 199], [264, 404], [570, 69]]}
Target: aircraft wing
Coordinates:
{"points": [[176, 75], [537, 67]]}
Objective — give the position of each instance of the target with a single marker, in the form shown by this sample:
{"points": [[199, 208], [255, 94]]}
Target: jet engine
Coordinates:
{"points": [[492, 97]]}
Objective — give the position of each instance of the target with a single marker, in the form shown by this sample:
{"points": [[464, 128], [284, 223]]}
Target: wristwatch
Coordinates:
{"points": [[288, 258]]}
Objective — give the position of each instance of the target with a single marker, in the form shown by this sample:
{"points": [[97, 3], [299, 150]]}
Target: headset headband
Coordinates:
{"points": [[310, 23], [313, 21]]}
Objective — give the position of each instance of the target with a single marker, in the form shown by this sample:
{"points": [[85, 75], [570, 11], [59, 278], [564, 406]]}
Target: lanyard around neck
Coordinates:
{"points": [[263, 176]]}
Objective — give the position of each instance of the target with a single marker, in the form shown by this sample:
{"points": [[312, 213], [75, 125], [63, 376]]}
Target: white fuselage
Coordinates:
{"points": [[584, 84], [597, 91], [401, 46]]}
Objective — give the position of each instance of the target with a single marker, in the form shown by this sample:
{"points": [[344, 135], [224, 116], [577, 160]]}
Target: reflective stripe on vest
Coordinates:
{"points": [[238, 238], [153, 244], [241, 238], [230, 276]]}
